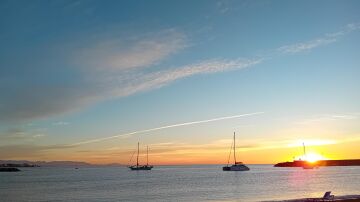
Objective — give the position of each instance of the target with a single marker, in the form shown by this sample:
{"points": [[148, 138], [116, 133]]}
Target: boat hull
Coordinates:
{"points": [[140, 167], [9, 169], [236, 168]]}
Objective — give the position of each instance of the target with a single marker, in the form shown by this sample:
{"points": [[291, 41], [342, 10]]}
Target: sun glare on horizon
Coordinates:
{"points": [[312, 157]]}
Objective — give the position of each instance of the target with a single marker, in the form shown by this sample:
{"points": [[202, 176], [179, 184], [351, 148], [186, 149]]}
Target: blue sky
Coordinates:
{"points": [[73, 71]]}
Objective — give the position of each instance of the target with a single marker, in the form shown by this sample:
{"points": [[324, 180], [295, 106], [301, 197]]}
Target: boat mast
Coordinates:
{"points": [[234, 150], [147, 155], [137, 158], [304, 150]]}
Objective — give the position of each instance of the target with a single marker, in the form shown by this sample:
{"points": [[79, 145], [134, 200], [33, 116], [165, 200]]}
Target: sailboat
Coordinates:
{"points": [[237, 166], [142, 167], [307, 164]]}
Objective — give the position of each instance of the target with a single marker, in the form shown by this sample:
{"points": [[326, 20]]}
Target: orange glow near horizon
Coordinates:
{"points": [[212, 153], [313, 157]]}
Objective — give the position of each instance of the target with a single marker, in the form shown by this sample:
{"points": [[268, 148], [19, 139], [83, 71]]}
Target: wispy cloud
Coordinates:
{"points": [[60, 123], [118, 54], [38, 135], [223, 6], [165, 127], [300, 47], [123, 85], [131, 82], [13, 134], [116, 67], [324, 118], [326, 39], [20, 135]]}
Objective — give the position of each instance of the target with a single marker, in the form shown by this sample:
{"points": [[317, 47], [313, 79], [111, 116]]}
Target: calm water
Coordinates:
{"points": [[176, 183]]}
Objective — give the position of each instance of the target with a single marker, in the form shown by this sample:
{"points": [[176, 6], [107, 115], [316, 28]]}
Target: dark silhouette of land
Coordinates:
{"points": [[300, 163], [9, 170], [345, 198]]}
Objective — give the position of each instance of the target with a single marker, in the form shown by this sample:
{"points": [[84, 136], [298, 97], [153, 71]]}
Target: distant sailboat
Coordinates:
{"points": [[309, 162], [238, 166], [308, 165], [142, 167]]}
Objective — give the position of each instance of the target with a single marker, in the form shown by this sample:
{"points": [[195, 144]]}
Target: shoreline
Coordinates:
{"points": [[345, 198]]}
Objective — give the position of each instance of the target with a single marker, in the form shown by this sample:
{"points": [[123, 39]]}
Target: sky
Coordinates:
{"points": [[87, 80]]}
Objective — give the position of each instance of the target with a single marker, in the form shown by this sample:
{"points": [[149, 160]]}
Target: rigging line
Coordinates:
{"points": [[131, 157], [230, 153]]}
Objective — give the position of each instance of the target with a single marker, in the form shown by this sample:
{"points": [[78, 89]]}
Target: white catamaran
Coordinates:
{"points": [[142, 167], [238, 166]]}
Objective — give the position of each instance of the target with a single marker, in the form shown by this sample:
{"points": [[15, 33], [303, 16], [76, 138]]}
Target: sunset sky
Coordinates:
{"points": [[87, 80]]}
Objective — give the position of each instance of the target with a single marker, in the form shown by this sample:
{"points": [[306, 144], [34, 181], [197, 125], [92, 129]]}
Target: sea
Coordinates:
{"points": [[176, 183]]}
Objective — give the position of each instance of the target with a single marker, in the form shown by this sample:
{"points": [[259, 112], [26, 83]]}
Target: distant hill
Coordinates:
{"points": [[62, 163], [55, 163]]}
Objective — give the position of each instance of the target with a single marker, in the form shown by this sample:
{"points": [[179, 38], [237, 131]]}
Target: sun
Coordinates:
{"points": [[313, 157]]}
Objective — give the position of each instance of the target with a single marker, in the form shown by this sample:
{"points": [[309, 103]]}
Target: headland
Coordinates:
{"points": [[301, 163]]}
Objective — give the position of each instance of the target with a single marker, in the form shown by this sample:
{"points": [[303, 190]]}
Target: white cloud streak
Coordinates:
{"points": [[326, 118], [164, 127], [117, 67], [117, 54], [61, 123], [124, 85], [127, 83], [300, 47], [19, 135], [327, 39]]}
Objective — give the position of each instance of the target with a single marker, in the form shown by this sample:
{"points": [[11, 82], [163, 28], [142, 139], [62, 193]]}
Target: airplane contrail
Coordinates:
{"points": [[164, 127]]}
